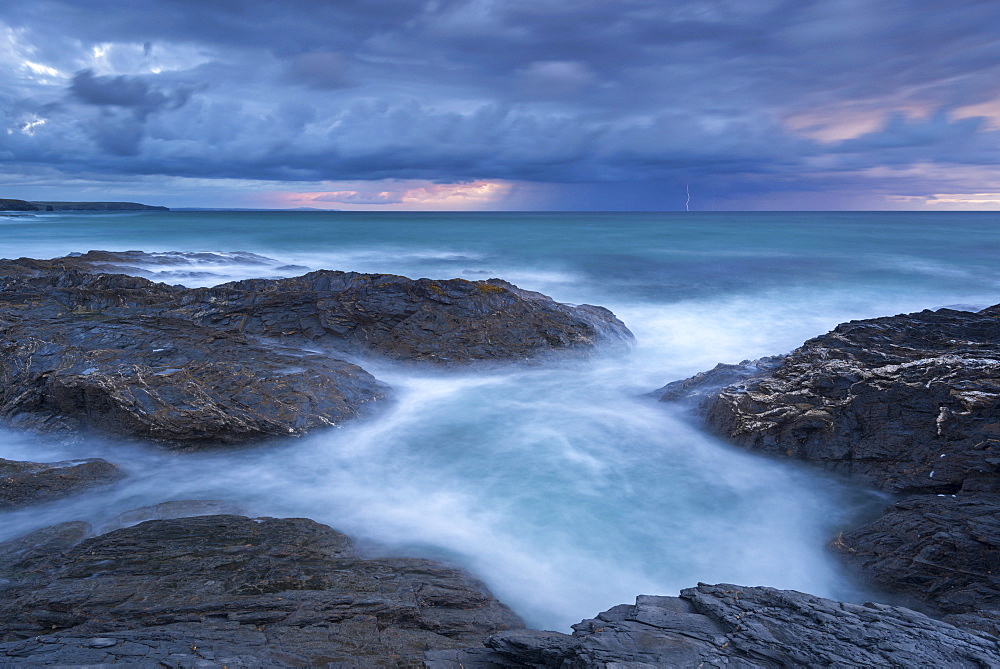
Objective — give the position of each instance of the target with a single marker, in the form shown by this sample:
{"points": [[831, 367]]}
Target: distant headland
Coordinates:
{"points": [[25, 205]]}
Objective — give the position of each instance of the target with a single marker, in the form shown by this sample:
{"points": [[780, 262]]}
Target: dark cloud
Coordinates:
{"points": [[128, 92], [756, 95]]}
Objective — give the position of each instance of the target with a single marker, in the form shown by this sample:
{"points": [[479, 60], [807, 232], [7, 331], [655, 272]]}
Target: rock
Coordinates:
{"points": [[940, 553], [227, 589], [907, 403], [452, 321], [83, 349], [172, 265], [23, 483], [170, 381], [737, 626], [185, 508], [910, 404], [705, 385], [26, 558]]}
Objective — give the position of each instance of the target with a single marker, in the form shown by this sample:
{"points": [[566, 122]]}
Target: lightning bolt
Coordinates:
{"points": [[687, 204]]}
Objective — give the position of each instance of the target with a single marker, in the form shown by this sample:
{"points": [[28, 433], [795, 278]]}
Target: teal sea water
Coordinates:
{"points": [[561, 486]]}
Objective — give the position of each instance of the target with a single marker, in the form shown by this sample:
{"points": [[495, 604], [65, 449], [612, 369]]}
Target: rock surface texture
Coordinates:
{"points": [[81, 348], [231, 590], [737, 626], [910, 404], [23, 483]]}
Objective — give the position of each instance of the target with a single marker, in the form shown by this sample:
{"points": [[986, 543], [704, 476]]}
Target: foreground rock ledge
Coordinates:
{"points": [[737, 626], [80, 348], [230, 590], [910, 404]]}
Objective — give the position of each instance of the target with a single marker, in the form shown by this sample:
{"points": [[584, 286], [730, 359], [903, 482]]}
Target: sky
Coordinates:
{"points": [[706, 105]]}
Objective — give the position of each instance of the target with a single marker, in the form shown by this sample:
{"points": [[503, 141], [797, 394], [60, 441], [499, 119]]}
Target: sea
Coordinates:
{"points": [[564, 486]]}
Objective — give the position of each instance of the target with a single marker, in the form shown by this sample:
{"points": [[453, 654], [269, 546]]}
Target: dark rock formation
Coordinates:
{"points": [[882, 400], [16, 205], [238, 591], [405, 319], [171, 381], [910, 404], [97, 206], [23, 483], [81, 348], [939, 553], [25, 558], [736, 626]]}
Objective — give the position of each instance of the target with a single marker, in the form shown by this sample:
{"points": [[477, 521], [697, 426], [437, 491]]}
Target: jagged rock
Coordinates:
{"points": [[908, 403], [404, 319], [704, 385], [28, 557], [737, 626], [83, 349], [939, 552], [392, 316], [168, 380], [233, 590], [23, 483]]}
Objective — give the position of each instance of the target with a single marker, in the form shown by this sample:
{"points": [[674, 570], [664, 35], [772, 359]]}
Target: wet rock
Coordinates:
{"points": [[938, 552], [23, 483], [234, 590], [30, 556], [450, 321], [704, 385], [168, 380], [737, 626], [185, 508], [907, 403], [82, 349], [910, 404]]}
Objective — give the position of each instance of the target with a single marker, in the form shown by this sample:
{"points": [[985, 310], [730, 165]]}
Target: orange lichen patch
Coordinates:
{"points": [[490, 288]]}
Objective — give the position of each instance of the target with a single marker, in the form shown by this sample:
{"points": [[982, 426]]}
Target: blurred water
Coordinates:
{"points": [[559, 485]]}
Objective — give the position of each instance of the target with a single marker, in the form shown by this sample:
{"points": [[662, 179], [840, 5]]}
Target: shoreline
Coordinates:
{"points": [[137, 286]]}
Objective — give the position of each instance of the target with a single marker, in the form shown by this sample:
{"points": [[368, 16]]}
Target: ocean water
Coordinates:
{"points": [[561, 486]]}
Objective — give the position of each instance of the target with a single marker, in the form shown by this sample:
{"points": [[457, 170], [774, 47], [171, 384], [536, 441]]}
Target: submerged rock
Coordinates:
{"points": [[23, 483], [233, 590], [736, 626], [910, 404]]}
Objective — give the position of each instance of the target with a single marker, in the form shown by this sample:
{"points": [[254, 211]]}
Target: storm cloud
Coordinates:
{"points": [[750, 104]]}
